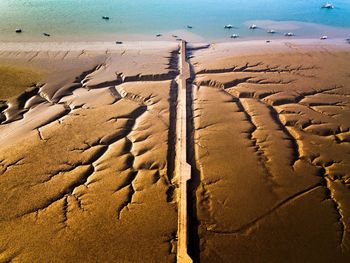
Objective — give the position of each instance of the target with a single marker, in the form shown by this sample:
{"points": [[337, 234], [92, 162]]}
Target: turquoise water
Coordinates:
{"points": [[82, 18]]}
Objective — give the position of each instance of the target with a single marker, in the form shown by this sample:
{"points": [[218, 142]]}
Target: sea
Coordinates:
{"points": [[193, 20]]}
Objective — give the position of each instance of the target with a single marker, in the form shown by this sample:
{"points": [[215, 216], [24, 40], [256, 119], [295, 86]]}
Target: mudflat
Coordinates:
{"points": [[271, 133], [86, 171], [15, 80], [88, 152]]}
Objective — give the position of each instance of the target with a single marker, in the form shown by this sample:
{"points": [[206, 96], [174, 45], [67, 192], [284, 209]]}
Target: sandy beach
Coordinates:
{"points": [[88, 135]]}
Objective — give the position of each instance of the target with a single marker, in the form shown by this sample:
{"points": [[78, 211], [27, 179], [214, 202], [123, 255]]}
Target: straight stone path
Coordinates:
{"points": [[183, 169]]}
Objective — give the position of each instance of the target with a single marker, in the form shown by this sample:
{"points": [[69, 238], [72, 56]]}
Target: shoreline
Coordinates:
{"points": [[282, 44]]}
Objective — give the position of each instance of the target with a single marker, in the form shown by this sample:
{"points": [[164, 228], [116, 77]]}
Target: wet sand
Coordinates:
{"points": [[86, 171], [87, 154], [271, 143]]}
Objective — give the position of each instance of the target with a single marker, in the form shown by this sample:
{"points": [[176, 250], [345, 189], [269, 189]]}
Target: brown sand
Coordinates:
{"points": [[87, 153], [85, 170], [271, 144], [14, 80]]}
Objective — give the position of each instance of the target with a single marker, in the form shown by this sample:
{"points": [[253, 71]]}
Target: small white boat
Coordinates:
{"points": [[105, 17], [328, 6], [158, 35], [18, 30], [229, 26], [271, 31], [253, 27], [234, 36], [324, 37], [289, 34]]}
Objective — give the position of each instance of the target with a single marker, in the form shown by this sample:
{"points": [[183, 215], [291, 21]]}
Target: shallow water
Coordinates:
{"points": [[75, 19]]}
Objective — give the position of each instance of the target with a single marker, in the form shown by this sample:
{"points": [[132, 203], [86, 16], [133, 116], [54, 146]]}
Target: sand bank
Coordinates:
{"points": [[86, 170], [271, 151], [87, 153]]}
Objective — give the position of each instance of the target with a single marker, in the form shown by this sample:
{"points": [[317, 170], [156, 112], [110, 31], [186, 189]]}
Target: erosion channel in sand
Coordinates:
{"points": [[158, 152]]}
